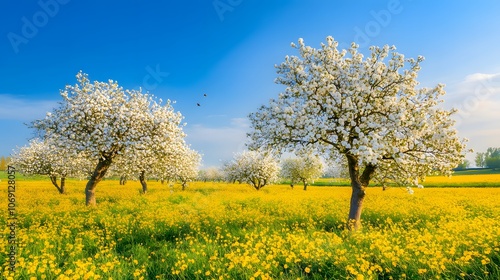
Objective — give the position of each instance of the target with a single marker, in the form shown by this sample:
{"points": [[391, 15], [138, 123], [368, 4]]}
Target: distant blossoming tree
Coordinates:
{"points": [[44, 158], [303, 169], [105, 121], [163, 161], [186, 170], [253, 168], [368, 110], [211, 174]]}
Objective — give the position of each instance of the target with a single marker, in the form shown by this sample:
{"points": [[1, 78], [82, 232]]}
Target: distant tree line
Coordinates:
{"points": [[4, 161], [489, 159]]}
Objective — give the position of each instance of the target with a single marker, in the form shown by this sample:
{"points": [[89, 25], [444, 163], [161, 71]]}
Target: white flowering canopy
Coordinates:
{"points": [[367, 109], [341, 103], [304, 169], [44, 158], [164, 161], [187, 168], [105, 121], [253, 168]]}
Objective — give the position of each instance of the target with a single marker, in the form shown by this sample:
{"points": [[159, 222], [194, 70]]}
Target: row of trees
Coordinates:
{"points": [[4, 161], [489, 159], [259, 170], [44, 158], [99, 128], [368, 112]]}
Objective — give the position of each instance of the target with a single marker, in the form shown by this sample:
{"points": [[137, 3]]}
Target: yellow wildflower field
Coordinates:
{"points": [[458, 180], [230, 231]]}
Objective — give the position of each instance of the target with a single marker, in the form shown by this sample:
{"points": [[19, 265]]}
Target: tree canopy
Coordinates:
{"points": [[105, 121], [366, 109], [303, 169], [45, 158], [253, 168], [489, 159]]}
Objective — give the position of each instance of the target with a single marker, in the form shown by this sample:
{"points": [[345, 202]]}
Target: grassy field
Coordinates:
{"points": [[231, 231]]}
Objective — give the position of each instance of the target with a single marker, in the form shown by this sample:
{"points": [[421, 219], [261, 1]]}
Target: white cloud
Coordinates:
{"points": [[22, 109], [477, 99], [218, 144]]}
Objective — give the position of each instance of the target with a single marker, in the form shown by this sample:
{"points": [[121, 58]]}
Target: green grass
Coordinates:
{"points": [[19, 176], [482, 171]]}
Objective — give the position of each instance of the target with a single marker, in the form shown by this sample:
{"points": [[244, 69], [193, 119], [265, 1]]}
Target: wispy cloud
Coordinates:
{"points": [[23, 109], [218, 144], [477, 99]]}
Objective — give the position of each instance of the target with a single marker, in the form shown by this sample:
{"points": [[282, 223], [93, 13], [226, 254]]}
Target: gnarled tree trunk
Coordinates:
{"points": [[358, 185], [99, 172], [123, 180], [62, 188], [144, 184], [63, 185]]}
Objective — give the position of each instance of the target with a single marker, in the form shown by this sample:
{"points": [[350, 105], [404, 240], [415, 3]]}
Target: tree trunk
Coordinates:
{"points": [[305, 185], [53, 179], [184, 184], [144, 184], [123, 180], [358, 185], [62, 189], [99, 172]]}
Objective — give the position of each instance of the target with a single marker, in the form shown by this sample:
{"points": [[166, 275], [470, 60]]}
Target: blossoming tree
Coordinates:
{"points": [[303, 169], [104, 121], [211, 174], [162, 160], [366, 109], [253, 168], [44, 158], [186, 170]]}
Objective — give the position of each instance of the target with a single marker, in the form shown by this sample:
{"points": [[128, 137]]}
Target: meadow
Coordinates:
{"points": [[230, 231]]}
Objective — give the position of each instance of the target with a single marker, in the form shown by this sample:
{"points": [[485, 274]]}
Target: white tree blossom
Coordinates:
{"points": [[304, 169], [45, 158], [211, 174], [253, 168], [186, 170], [367, 109], [163, 161], [105, 121]]}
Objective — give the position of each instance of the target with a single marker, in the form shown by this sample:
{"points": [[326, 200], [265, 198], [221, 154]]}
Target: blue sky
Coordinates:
{"points": [[180, 50]]}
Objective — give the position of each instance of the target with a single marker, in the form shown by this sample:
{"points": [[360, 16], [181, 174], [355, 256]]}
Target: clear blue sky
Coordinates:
{"points": [[180, 50]]}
